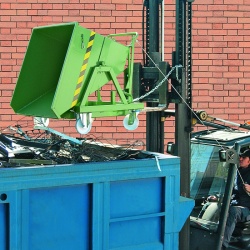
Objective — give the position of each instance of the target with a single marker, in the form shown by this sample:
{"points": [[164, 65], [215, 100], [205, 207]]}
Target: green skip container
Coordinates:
{"points": [[59, 73]]}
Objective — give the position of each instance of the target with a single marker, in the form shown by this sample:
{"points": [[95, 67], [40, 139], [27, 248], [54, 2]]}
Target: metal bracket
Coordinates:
{"points": [[232, 156]]}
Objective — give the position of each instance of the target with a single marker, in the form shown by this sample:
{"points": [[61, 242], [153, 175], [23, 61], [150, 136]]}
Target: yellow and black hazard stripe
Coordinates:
{"points": [[83, 68]]}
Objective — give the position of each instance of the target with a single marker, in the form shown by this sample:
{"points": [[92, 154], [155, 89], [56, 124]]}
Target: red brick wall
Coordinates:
{"points": [[221, 54]]}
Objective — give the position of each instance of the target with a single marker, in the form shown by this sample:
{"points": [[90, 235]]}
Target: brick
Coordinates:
{"points": [[232, 20], [5, 6], [214, 7], [129, 2], [90, 12], [233, 62], [233, 74], [236, 26], [244, 8], [218, 75], [233, 7], [105, 6], [236, 2], [58, 13], [5, 12]]}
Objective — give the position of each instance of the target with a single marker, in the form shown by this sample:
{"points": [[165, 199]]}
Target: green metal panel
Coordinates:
{"points": [[41, 70], [78, 56], [115, 56], [34, 71]]}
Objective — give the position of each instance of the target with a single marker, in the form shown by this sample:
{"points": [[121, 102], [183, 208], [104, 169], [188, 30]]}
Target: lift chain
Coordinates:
{"points": [[159, 84]]}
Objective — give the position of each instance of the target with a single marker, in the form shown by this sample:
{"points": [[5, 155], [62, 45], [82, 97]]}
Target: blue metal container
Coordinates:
{"points": [[125, 205]]}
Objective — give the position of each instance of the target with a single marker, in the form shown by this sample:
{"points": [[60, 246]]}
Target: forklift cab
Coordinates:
{"points": [[210, 175]]}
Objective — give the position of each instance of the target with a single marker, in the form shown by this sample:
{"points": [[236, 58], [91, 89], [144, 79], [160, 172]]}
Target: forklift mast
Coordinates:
{"points": [[150, 74]]}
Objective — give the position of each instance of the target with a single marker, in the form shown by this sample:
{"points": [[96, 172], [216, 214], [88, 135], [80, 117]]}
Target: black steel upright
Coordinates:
{"points": [[183, 56], [181, 91], [154, 120]]}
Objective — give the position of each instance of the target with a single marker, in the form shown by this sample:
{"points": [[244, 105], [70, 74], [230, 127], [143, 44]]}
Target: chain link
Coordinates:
{"points": [[159, 84]]}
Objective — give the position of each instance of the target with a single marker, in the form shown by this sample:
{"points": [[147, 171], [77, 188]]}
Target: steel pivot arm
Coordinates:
{"points": [[202, 116]]}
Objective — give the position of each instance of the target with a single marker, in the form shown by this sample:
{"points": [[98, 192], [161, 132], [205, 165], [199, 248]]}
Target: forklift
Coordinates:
{"points": [[209, 158], [214, 165], [213, 168]]}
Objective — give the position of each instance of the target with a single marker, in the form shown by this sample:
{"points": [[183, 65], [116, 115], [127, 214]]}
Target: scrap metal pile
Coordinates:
{"points": [[49, 147]]}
